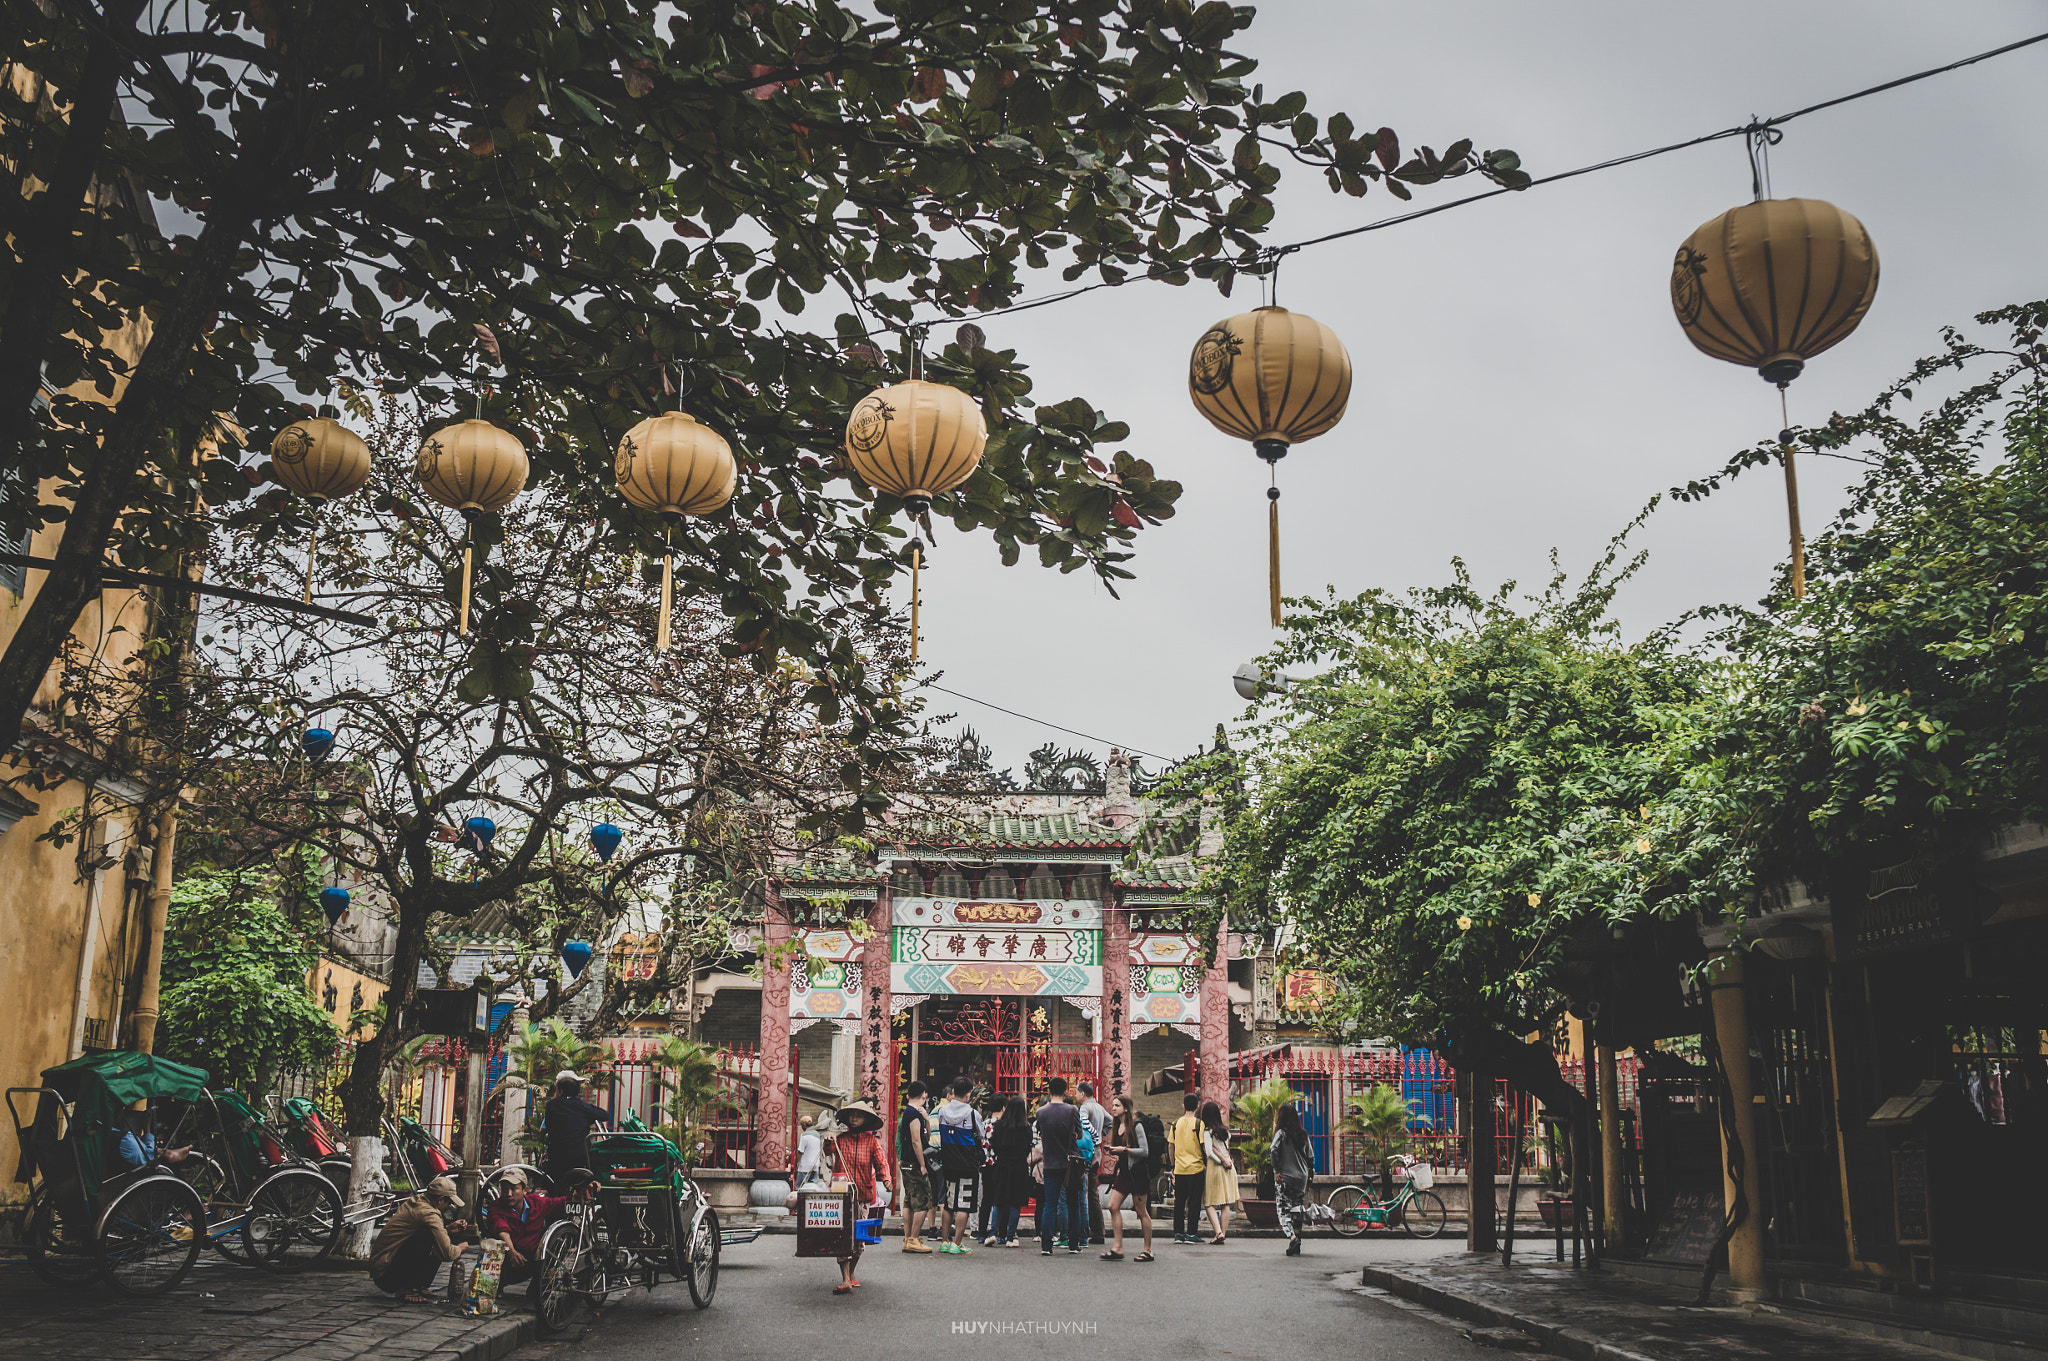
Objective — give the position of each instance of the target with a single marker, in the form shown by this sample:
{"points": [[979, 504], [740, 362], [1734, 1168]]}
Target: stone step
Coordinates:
{"points": [[1986, 1329]]}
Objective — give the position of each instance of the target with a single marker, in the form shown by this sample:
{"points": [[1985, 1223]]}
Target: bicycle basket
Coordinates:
{"points": [[1422, 1176]]}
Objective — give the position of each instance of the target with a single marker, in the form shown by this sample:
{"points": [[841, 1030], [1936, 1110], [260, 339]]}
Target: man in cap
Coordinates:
{"points": [[518, 1217], [414, 1242], [567, 1120]]}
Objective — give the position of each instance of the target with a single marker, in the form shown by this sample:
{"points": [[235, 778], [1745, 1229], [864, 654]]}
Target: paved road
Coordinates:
{"points": [[1196, 1302]]}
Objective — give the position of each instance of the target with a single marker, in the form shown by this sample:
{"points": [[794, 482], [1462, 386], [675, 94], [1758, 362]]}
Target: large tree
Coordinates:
{"points": [[547, 206], [1457, 794]]}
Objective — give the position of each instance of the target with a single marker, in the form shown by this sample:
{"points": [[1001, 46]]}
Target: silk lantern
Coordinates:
{"points": [[334, 902], [1769, 285], [475, 468], [576, 955], [320, 459], [477, 833], [605, 839], [674, 466], [317, 742], [1275, 378], [915, 440]]}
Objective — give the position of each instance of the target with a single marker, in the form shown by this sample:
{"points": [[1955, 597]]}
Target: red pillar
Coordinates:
{"points": [[876, 1005], [1216, 1024], [1116, 999], [771, 1110]]}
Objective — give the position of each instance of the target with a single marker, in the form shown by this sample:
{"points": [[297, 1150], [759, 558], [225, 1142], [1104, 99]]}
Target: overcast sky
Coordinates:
{"points": [[1521, 382]]}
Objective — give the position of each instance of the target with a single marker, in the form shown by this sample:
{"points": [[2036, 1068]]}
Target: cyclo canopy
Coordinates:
{"points": [[98, 1088]]}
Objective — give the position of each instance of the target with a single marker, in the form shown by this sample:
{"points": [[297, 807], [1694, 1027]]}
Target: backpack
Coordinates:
{"points": [[1084, 1142], [1156, 1151], [959, 1146]]}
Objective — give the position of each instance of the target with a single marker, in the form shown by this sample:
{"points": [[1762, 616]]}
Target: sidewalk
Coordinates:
{"points": [[1604, 1316], [227, 1313]]}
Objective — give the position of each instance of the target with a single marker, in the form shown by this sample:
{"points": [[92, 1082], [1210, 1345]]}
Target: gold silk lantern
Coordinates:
{"points": [[1275, 378], [916, 440], [476, 468], [320, 459], [674, 466], [1769, 285]]}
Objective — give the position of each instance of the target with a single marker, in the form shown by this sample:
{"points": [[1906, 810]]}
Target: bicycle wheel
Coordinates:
{"points": [[700, 1260], [150, 1235], [554, 1279], [294, 1220], [1344, 1202], [1423, 1215], [60, 1244]]}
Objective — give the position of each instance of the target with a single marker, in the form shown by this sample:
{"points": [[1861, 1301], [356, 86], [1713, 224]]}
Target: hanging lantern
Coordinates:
{"points": [[576, 957], [916, 440], [1276, 378], [1769, 285], [334, 902], [673, 466], [605, 839], [475, 468], [320, 459], [477, 834], [317, 742]]}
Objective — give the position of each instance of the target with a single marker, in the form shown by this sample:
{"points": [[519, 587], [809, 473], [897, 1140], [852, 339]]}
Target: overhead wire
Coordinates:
{"points": [[1044, 723]]}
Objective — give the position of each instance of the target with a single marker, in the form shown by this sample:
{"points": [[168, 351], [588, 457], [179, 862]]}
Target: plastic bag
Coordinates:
{"points": [[482, 1296]]}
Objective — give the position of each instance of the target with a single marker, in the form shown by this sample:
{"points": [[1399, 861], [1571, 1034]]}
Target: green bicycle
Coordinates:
{"points": [[1414, 1209]]}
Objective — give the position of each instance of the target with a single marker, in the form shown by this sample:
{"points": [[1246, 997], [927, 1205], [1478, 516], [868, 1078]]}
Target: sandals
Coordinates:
{"points": [[416, 1297], [1219, 1242], [1111, 1256], [1143, 1257], [842, 1290]]}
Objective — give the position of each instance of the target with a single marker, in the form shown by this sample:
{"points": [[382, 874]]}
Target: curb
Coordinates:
{"points": [[1575, 1344], [492, 1345]]}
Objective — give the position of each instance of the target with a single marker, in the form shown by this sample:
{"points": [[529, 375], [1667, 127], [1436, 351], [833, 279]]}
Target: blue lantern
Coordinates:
{"points": [[334, 902], [477, 833], [317, 742], [605, 839], [576, 954]]}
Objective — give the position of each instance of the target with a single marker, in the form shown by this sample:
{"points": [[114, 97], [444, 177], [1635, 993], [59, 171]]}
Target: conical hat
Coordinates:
{"points": [[858, 1115]]}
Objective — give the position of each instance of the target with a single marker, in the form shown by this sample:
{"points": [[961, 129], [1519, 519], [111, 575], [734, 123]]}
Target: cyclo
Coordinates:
{"points": [[634, 1212], [267, 1206], [139, 1228]]}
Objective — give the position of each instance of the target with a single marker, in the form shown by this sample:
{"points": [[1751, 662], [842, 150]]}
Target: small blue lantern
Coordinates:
{"points": [[477, 833], [576, 954], [605, 839], [334, 902], [317, 742]]}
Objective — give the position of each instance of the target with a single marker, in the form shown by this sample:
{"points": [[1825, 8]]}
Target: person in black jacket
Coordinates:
{"points": [[1009, 1178], [567, 1121]]}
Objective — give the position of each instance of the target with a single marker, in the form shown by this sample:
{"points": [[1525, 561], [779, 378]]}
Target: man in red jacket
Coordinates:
{"points": [[518, 1218]]}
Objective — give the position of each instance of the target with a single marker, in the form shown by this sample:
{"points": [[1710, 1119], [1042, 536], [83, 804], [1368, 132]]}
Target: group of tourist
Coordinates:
{"points": [[967, 1175]]}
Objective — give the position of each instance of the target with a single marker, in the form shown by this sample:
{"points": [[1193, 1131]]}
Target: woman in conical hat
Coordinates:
{"points": [[863, 1162]]}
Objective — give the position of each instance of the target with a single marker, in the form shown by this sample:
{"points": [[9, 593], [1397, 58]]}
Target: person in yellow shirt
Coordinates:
{"points": [[1188, 1169]]}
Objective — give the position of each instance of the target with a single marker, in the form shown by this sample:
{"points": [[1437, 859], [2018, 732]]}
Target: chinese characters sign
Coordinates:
{"points": [[1031, 948]]}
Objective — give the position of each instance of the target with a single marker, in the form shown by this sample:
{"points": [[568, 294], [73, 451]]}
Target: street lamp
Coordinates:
{"points": [[1252, 682]]}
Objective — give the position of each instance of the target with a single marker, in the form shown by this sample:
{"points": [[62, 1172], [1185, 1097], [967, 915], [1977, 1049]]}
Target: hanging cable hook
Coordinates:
{"points": [[1759, 137]]}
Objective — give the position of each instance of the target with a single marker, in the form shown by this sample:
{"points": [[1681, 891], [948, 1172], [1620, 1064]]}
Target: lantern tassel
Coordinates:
{"points": [[462, 625], [312, 549], [916, 559], [1273, 551], [1792, 499], [667, 598]]}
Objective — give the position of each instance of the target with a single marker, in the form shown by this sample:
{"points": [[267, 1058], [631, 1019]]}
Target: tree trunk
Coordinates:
{"points": [[1481, 1157], [365, 1180]]}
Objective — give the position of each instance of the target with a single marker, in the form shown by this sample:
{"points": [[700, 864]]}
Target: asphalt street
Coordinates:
{"points": [[1237, 1301]]}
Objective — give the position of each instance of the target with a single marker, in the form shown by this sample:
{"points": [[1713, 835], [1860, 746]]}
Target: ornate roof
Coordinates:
{"points": [[1028, 831]]}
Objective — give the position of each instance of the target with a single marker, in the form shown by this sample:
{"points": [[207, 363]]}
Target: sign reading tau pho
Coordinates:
{"points": [[1023, 947]]}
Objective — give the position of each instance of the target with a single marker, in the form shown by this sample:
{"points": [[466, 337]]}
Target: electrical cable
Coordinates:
{"points": [[1071, 732]]}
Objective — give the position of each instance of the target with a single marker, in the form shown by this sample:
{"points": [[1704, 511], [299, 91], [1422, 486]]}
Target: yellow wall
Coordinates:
{"points": [[344, 981]]}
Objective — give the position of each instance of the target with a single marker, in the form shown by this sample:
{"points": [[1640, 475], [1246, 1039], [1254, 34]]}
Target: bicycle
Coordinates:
{"points": [[1414, 1208]]}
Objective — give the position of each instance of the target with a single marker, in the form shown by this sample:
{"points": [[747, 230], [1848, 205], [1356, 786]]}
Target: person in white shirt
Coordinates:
{"points": [[810, 1154], [1091, 1179]]}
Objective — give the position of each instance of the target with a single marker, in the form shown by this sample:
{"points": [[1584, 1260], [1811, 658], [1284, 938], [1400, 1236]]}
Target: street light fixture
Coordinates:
{"points": [[1251, 682]]}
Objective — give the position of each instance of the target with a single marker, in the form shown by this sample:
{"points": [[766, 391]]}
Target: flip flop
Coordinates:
{"points": [[1111, 1256], [416, 1297], [1143, 1257], [842, 1290]]}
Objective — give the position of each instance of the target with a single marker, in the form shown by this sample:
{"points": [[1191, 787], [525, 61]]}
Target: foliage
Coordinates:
{"points": [[546, 1048], [1899, 713], [551, 205], [235, 997], [1378, 1118], [1257, 1112], [1457, 794], [687, 1076]]}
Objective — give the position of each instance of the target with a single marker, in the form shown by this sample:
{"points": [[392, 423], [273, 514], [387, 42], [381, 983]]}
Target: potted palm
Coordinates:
{"points": [[1256, 1113], [547, 1048], [1378, 1119], [688, 1080]]}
